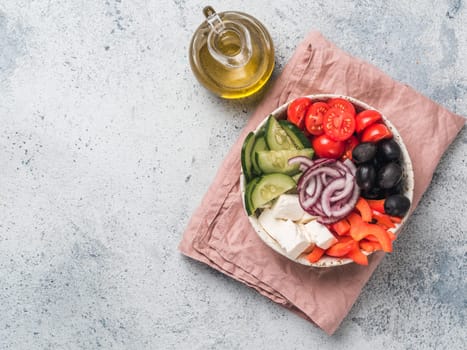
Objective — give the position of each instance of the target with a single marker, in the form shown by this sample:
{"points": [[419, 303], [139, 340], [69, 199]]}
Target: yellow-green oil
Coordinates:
{"points": [[233, 82]]}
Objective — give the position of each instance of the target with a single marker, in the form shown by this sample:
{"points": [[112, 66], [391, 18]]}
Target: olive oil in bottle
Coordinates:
{"points": [[231, 54]]}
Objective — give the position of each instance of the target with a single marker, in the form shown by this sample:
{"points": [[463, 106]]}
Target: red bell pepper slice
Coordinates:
{"points": [[364, 208], [315, 254], [383, 219], [376, 204], [341, 248], [360, 229], [341, 227], [370, 246], [356, 255], [396, 219]]}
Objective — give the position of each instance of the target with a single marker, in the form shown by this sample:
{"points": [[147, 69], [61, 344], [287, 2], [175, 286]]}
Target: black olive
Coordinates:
{"points": [[396, 205], [378, 161], [389, 149], [397, 189], [364, 152], [373, 193], [365, 176], [389, 175]]}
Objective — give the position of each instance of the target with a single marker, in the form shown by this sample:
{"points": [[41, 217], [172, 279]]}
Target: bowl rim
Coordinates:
{"points": [[408, 174]]}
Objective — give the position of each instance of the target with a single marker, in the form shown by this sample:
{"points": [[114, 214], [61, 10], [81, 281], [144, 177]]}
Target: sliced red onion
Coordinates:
{"points": [[348, 187], [349, 164], [347, 207], [310, 201], [302, 160], [310, 189], [327, 188], [333, 186]]}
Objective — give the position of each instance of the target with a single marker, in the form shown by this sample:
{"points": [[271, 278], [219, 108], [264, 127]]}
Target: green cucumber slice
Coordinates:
{"points": [[260, 145], [246, 155], [270, 187], [277, 161], [250, 209], [276, 137], [297, 136], [297, 177]]}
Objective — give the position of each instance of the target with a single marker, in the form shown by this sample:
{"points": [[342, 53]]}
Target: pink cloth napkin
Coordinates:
{"points": [[219, 233]]}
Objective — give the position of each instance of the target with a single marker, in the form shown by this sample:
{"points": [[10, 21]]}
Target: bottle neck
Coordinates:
{"points": [[228, 42]]}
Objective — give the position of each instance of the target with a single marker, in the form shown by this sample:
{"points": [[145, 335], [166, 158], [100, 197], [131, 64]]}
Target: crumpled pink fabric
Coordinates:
{"points": [[219, 233]]}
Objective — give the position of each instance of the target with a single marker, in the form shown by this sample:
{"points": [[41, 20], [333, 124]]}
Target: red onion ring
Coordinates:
{"points": [[327, 187]]}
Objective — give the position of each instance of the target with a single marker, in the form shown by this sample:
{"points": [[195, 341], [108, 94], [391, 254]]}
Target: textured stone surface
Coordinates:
{"points": [[107, 144]]}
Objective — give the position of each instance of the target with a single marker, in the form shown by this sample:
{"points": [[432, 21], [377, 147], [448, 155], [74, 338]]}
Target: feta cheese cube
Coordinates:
{"points": [[284, 232], [306, 218], [318, 234], [287, 206]]}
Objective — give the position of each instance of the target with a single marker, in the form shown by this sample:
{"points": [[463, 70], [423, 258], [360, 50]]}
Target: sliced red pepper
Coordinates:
{"points": [[341, 248], [383, 219], [342, 227], [364, 209], [355, 222], [371, 238], [396, 219], [363, 229], [376, 204], [356, 255], [391, 235], [370, 246], [315, 254]]}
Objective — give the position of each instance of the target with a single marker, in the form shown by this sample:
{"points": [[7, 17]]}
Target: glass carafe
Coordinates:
{"points": [[231, 54]]}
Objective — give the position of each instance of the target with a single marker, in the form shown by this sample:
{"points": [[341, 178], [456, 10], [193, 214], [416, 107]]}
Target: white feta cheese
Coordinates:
{"points": [[285, 232], [287, 206], [306, 218], [318, 234]]}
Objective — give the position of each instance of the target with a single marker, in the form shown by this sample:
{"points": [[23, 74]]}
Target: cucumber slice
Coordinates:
{"points": [[297, 176], [246, 155], [297, 136], [250, 209], [276, 137], [269, 187], [260, 145], [277, 161]]}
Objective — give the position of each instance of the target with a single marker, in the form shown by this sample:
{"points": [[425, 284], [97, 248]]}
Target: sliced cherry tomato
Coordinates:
{"points": [[366, 118], [314, 118], [325, 147], [342, 104], [297, 109], [375, 133], [338, 124], [350, 144]]}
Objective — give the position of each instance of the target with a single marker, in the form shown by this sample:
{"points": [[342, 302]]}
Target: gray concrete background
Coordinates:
{"points": [[107, 144]]}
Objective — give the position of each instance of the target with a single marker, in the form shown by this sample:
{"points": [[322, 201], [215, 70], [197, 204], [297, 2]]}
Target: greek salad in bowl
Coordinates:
{"points": [[326, 180]]}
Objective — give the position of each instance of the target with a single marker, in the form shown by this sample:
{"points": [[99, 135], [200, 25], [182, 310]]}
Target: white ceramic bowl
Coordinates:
{"points": [[408, 181]]}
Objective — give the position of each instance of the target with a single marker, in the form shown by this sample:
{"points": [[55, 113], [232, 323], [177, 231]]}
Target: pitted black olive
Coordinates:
{"points": [[364, 152], [389, 175], [396, 205], [389, 149], [366, 176], [373, 193]]}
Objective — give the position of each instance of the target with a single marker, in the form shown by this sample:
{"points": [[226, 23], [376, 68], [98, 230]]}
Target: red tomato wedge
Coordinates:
{"points": [[297, 109], [376, 132], [338, 124], [366, 118], [325, 147], [314, 118], [342, 104]]}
